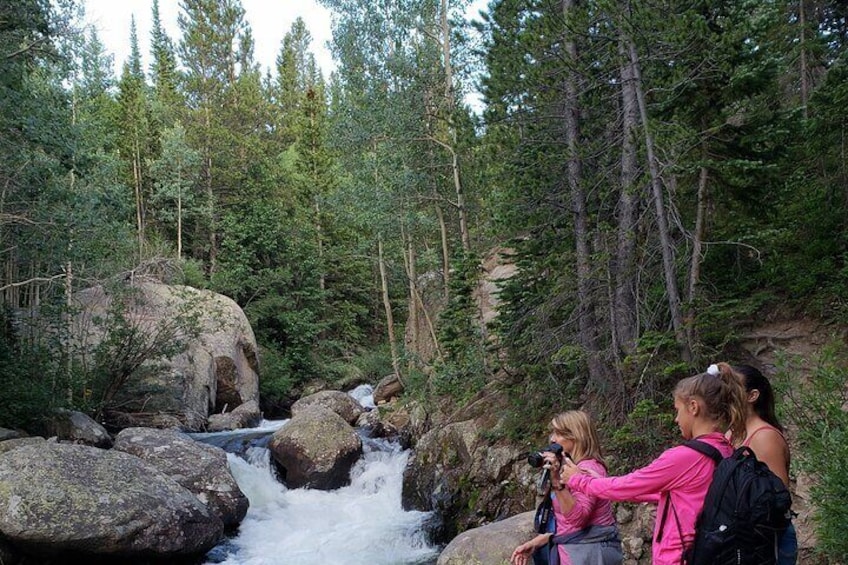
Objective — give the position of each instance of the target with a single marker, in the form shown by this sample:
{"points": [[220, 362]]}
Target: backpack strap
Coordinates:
{"points": [[704, 448]]}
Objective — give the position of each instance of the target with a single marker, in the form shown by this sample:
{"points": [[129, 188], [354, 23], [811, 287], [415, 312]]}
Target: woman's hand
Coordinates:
{"points": [[523, 554], [552, 462]]}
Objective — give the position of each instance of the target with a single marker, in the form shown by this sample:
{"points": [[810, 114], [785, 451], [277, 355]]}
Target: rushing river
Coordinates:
{"points": [[360, 524]]}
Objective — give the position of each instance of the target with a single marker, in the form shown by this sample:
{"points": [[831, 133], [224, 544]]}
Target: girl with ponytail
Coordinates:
{"points": [[706, 404], [764, 435]]}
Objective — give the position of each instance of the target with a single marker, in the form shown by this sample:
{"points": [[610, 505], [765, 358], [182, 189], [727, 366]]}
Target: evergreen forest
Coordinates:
{"points": [[662, 172]]}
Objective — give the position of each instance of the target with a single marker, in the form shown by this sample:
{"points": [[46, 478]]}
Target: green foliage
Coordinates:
{"points": [[462, 372], [648, 429], [373, 363], [29, 393], [815, 404], [277, 381]]}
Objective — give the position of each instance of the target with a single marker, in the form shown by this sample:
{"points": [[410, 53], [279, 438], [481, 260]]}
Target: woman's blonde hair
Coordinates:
{"points": [[723, 397], [577, 426]]}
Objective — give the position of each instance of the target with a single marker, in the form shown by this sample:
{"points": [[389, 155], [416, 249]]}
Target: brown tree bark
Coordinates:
{"points": [[666, 245], [697, 252], [574, 173], [624, 327]]}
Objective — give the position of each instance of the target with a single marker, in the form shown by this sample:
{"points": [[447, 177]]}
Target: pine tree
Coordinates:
{"points": [[135, 133]]}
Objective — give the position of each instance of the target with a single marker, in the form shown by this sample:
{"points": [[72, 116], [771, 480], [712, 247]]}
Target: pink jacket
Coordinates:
{"points": [[681, 473], [587, 510]]}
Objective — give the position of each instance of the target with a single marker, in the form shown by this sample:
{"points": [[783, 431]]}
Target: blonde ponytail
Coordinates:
{"points": [[723, 395]]}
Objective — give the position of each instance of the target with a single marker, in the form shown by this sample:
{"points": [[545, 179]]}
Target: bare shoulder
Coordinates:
{"points": [[768, 437]]}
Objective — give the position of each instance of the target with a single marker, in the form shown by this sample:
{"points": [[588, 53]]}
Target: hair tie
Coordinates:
{"points": [[713, 370]]}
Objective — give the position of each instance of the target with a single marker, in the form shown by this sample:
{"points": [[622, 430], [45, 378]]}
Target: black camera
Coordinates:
{"points": [[536, 459]]}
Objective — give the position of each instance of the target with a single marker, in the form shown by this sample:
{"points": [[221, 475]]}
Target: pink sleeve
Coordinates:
{"points": [[584, 504], [651, 498], [643, 485]]}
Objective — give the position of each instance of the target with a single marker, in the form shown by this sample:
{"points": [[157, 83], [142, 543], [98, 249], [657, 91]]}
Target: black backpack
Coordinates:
{"points": [[746, 510]]}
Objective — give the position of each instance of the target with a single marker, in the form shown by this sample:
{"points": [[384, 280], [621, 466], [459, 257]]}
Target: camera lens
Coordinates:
{"points": [[535, 460]]}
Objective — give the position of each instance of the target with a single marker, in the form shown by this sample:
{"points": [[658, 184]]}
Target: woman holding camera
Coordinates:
{"points": [[585, 525], [706, 405]]}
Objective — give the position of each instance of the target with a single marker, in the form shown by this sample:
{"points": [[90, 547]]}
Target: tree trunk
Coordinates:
{"points": [[451, 106], [624, 328], [574, 174], [210, 194], [805, 86], [180, 222], [443, 230], [387, 305], [139, 218], [697, 252], [412, 317], [319, 233], [662, 223]]}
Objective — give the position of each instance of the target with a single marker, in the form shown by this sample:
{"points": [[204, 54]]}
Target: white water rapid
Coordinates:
{"points": [[360, 524]]}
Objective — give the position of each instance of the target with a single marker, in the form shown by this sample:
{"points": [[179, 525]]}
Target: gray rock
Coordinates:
{"points": [[10, 434], [388, 388], [11, 444], [69, 499], [70, 425], [218, 370], [339, 402], [491, 544], [455, 473], [245, 416], [316, 449], [200, 468]]}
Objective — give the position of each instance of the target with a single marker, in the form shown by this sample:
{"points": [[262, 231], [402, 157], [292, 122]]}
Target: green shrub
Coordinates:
{"points": [[817, 407], [648, 430], [27, 390], [276, 379]]}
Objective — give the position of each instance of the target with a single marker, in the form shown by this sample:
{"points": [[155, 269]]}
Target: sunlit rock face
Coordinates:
{"points": [[215, 372]]}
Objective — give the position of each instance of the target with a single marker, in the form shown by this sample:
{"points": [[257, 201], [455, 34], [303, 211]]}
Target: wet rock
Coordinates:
{"points": [[317, 448], [339, 402]]}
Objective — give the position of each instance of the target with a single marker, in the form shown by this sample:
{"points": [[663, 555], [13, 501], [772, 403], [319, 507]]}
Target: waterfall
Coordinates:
{"points": [[360, 524]]}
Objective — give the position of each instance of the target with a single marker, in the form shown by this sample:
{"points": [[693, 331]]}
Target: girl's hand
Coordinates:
{"points": [[569, 469]]}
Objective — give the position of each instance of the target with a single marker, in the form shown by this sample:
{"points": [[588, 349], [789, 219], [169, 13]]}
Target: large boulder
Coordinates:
{"points": [[496, 267], [491, 544], [200, 468], [317, 448], [467, 482], [215, 372], [337, 401], [76, 427], [72, 500]]}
